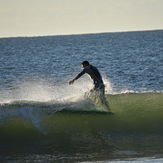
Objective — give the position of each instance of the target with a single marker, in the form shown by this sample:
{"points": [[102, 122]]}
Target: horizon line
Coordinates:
{"points": [[80, 33]]}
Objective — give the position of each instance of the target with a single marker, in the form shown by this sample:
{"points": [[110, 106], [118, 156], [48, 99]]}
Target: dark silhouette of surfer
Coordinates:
{"points": [[97, 94]]}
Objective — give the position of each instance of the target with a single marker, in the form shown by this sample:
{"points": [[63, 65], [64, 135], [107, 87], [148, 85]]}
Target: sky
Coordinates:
{"points": [[62, 17]]}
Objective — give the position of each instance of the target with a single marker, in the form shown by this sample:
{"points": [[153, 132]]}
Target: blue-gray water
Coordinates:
{"points": [[34, 75]]}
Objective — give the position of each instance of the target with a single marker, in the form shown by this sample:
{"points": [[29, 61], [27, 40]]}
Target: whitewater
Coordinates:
{"points": [[43, 119]]}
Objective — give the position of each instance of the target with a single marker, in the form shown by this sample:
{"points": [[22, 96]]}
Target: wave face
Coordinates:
{"points": [[135, 111], [64, 128]]}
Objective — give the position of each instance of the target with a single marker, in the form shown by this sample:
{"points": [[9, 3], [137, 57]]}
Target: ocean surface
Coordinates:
{"points": [[44, 119]]}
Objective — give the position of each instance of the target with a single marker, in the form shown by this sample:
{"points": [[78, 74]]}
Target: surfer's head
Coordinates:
{"points": [[85, 64]]}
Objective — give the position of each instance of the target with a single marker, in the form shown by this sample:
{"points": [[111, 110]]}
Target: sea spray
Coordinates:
{"points": [[33, 101]]}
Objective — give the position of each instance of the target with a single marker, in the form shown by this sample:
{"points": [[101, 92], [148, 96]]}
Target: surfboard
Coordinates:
{"points": [[85, 111], [97, 111]]}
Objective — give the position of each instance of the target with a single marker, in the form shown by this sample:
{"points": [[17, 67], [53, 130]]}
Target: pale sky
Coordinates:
{"points": [[60, 17]]}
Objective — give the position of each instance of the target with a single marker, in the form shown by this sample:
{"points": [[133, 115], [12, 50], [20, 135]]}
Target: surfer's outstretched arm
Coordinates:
{"points": [[77, 77]]}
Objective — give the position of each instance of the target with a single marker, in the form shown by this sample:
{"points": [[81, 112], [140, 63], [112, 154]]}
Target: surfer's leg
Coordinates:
{"points": [[101, 93], [97, 97]]}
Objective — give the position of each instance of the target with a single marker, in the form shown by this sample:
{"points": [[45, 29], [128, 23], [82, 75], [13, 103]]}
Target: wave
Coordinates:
{"points": [[63, 128], [135, 111]]}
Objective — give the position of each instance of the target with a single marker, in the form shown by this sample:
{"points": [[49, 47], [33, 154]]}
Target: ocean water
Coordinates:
{"points": [[42, 118]]}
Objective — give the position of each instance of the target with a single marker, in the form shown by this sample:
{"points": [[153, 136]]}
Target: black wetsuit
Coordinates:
{"points": [[95, 76], [97, 94]]}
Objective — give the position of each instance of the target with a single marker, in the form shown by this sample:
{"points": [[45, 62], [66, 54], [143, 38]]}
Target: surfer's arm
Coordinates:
{"points": [[77, 77]]}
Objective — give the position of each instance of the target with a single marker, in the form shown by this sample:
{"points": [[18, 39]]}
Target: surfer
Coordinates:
{"points": [[99, 87], [93, 73]]}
